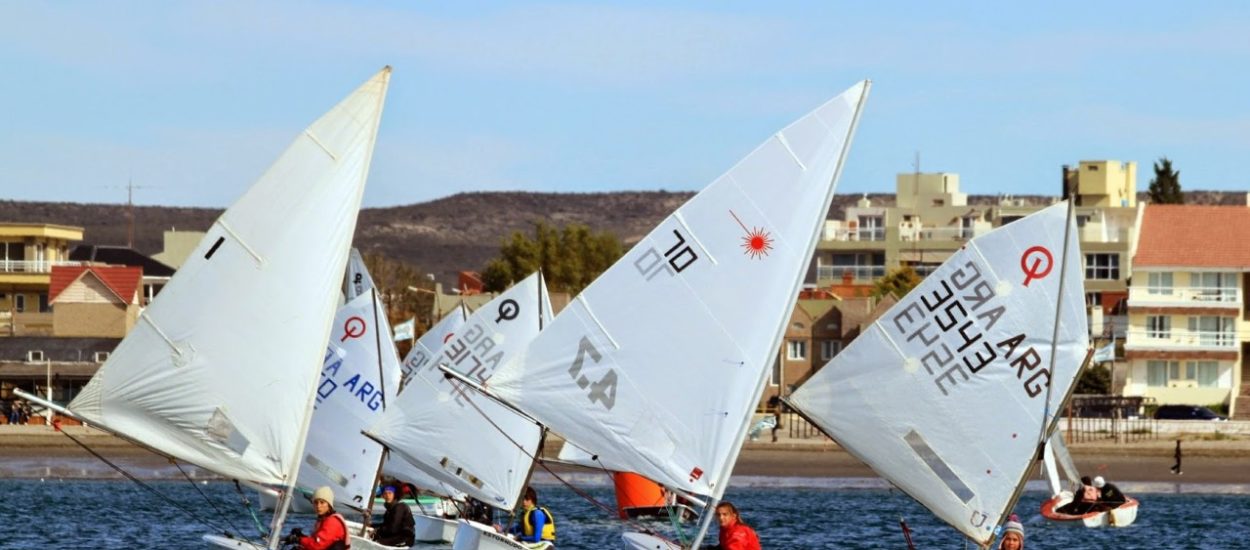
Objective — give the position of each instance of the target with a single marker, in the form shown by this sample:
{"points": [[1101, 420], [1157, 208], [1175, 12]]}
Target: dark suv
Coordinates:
{"points": [[1186, 412]]}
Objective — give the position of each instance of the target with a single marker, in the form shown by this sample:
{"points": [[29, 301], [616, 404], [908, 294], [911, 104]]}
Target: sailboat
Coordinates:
{"points": [[636, 497], [657, 366], [222, 369], [464, 440], [951, 394], [1055, 460]]}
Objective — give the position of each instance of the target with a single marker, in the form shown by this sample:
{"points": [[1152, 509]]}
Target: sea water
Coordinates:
{"points": [[52, 513]]}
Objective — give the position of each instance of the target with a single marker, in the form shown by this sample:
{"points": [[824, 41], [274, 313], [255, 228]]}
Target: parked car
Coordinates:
{"points": [[1186, 412]]}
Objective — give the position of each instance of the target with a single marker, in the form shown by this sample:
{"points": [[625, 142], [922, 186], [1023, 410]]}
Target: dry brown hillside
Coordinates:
{"points": [[445, 236]]}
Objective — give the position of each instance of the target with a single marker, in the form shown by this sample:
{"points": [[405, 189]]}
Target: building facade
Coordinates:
{"points": [[1187, 308], [28, 252]]}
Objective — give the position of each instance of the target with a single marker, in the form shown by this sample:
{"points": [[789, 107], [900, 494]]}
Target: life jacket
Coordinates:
{"points": [[1089, 493], [346, 542], [549, 526]]}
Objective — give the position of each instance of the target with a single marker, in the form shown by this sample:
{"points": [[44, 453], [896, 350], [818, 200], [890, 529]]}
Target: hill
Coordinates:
{"points": [[448, 235]]}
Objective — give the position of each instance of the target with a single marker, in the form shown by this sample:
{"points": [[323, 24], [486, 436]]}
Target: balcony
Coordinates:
{"points": [[1185, 296], [863, 234], [1181, 340], [25, 266], [908, 233], [857, 273]]}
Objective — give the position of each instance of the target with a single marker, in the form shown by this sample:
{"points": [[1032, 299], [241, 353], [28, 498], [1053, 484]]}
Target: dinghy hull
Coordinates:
{"points": [[471, 535], [434, 529], [643, 541], [1121, 516]]}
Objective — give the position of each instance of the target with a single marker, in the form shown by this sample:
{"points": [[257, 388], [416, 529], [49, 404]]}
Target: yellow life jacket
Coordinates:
{"points": [[549, 526]]}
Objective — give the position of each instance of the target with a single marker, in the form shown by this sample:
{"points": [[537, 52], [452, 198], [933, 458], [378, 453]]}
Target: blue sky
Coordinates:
{"points": [[194, 99]]}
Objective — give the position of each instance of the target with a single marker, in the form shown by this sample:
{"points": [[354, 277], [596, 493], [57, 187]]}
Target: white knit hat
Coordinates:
{"points": [[1013, 526], [324, 493], [1099, 482]]}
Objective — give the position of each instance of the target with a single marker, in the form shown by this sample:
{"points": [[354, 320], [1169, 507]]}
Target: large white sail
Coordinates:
{"points": [[945, 394], [357, 382], [462, 438], [221, 369], [657, 365]]}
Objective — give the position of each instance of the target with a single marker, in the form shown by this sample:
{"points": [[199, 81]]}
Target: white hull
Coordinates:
{"points": [[434, 529], [643, 541], [359, 543], [474, 536], [219, 541]]}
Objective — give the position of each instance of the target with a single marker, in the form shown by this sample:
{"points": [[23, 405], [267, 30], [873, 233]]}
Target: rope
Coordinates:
{"points": [[210, 502], [260, 528], [140, 483], [585, 496]]}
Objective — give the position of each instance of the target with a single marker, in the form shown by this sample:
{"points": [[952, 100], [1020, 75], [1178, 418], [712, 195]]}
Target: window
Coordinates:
{"points": [[796, 350], [1159, 283], [1208, 373], [43, 303], [1158, 327], [871, 228], [34, 356], [775, 379], [829, 348], [1157, 373], [1102, 266], [1209, 330], [101, 356], [19, 302], [1214, 286]]}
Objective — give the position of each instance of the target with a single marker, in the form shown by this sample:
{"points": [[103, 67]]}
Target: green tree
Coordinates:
{"points": [[898, 282], [1165, 187], [392, 278], [570, 257], [1096, 380]]}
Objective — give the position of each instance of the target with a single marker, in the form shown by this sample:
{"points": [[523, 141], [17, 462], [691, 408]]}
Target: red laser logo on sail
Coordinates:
{"points": [[757, 242]]}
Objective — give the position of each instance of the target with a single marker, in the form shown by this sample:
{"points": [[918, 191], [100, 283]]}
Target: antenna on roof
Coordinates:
{"points": [[130, 207]]}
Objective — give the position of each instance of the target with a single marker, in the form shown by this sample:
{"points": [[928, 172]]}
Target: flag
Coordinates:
{"points": [[404, 330], [1105, 353]]}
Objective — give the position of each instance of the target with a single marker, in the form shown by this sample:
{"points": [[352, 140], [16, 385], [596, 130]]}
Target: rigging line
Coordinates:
{"points": [[534, 457], [140, 483], [210, 502], [247, 503]]}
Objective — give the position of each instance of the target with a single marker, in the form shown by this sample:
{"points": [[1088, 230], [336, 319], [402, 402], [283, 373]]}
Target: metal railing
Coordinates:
{"points": [[1108, 418], [31, 266], [1185, 295], [858, 272], [909, 234], [1181, 339], [862, 234]]}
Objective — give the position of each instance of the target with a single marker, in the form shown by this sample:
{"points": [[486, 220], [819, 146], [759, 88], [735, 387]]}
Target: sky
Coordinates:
{"points": [[191, 101]]}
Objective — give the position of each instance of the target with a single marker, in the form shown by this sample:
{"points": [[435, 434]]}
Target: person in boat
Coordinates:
{"points": [[1109, 496], [1013, 535], [478, 511], [1086, 500], [397, 527], [537, 524], [734, 535], [330, 530]]}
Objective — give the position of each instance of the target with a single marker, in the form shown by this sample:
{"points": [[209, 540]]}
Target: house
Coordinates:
{"points": [[95, 300], [28, 252], [1188, 319]]}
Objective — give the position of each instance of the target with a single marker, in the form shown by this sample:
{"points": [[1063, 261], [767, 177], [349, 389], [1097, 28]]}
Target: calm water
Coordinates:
{"points": [[120, 514]]}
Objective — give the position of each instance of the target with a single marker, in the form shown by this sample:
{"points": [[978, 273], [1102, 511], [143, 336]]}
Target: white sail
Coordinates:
{"points": [[429, 343], [657, 365], [945, 394], [358, 280], [356, 384], [221, 369], [1063, 465], [462, 438]]}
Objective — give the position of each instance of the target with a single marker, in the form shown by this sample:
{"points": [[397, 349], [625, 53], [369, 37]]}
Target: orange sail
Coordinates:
{"points": [[635, 491]]}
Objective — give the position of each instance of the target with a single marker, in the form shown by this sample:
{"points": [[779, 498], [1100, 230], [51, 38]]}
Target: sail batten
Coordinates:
{"points": [[222, 372], [969, 353]]}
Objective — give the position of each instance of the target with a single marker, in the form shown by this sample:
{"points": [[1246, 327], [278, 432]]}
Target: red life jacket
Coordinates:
{"points": [[738, 537], [328, 535]]}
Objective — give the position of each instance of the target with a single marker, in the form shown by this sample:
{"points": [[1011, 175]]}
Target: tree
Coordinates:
{"points": [[898, 282], [1165, 187], [392, 279], [1095, 381], [570, 258]]}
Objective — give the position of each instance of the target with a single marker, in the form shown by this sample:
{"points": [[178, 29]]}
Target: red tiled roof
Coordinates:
{"points": [[122, 280], [1179, 235]]}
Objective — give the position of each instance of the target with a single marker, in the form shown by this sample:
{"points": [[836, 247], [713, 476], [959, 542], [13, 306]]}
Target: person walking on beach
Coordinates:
{"points": [[734, 535], [1176, 468], [1013, 535]]}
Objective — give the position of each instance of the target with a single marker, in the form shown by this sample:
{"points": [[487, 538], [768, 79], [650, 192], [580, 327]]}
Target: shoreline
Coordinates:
{"points": [[39, 452]]}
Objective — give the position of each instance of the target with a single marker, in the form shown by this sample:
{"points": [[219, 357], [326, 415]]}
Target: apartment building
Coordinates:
{"points": [[1189, 325], [28, 252]]}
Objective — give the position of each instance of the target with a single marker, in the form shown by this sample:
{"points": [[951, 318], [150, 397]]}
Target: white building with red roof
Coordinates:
{"points": [[1188, 317], [101, 301]]}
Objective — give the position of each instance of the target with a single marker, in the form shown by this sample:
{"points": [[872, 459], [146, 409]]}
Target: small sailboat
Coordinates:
{"points": [[950, 395], [464, 440], [636, 497], [657, 366], [1060, 506], [222, 369]]}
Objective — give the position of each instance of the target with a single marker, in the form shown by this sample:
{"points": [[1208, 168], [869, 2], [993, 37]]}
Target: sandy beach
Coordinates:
{"points": [[38, 451]]}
